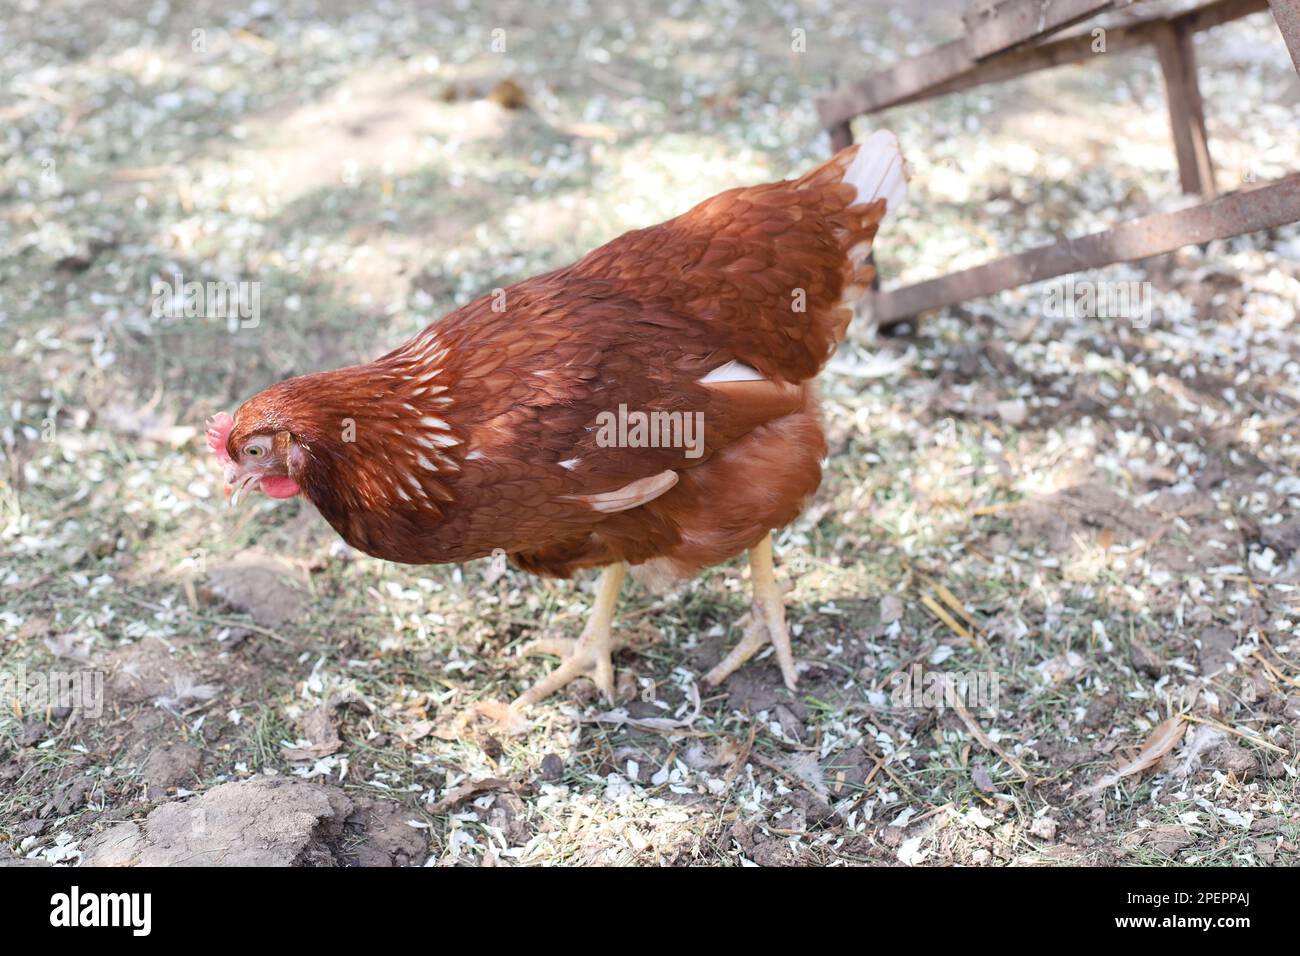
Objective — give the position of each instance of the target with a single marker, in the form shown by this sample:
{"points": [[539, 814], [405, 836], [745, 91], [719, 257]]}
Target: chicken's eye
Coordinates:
{"points": [[253, 451]]}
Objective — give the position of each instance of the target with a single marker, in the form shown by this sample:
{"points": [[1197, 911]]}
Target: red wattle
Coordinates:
{"points": [[279, 487]]}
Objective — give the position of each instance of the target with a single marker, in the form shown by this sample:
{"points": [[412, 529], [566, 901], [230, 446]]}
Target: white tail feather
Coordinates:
{"points": [[878, 171]]}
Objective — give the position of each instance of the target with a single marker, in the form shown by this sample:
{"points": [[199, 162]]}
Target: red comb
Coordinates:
{"points": [[219, 426]]}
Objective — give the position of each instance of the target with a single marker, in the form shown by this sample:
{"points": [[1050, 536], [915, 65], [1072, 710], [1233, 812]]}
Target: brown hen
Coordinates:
{"points": [[651, 406]]}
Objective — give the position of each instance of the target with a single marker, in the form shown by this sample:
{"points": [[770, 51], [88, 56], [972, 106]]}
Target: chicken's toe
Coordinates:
{"points": [[554, 646], [755, 636], [590, 654], [507, 717]]}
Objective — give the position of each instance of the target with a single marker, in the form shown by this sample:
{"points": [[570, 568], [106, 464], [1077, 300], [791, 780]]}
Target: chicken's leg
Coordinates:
{"points": [[590, 652], [766, 621]]}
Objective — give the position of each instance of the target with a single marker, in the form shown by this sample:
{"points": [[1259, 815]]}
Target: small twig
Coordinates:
{"points": [[661, 731], [741, 757], [225, 621], [879, 764], [945, 617], [1245, 735], [998, 507], [929, 813], [778, 769], [904, 665], [1273, 650], [620, 83], [467, 791], [978, 733], [1268, 666], [882, 763]]}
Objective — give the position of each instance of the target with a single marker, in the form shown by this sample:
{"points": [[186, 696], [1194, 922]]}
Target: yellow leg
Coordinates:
{"points": [[589, 653], [766, 621]]}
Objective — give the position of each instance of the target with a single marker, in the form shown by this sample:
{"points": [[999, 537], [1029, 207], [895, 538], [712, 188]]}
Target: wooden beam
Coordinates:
{"points": [[1263, 207], [950, 68], [1286, 13], [894, 84], [1030, 59], [1186, 112], [1081, 47], [841, 136], [995, 27]]}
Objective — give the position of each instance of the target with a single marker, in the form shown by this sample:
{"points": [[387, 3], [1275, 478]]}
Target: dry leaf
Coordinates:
{"points": [[1162, 740], [416, 731], [321, 733], [458, 795]]}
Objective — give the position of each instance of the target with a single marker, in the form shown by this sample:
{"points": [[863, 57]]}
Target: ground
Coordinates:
{"points": [[1091, 517]]}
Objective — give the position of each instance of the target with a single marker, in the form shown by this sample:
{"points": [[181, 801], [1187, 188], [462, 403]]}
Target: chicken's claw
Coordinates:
{"points": [[589, 655]]}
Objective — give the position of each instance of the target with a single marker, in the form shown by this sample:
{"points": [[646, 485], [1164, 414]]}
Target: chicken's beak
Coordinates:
{"points": [[237, 483]]}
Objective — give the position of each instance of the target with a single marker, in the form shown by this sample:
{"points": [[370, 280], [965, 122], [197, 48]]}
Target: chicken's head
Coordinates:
{"points": [[255, 457]]}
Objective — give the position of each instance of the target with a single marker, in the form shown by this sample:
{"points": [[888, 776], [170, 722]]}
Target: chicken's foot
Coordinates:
{"points": [[764, 623], [589, 653]]}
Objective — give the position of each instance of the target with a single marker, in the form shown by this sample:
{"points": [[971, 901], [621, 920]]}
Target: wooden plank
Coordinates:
{"points": [[949, 69], [1186, 112], [1045, 56], [1264, 207], [1080, 47], [993, 28], [1205, 17], [841, 136], [894, 83], [1286, 13]]}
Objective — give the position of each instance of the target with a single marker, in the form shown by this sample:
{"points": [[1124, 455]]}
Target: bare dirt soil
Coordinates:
{"points": [[1093, 519]]}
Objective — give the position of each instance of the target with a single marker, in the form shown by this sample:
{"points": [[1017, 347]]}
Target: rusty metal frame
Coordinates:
{"points": [[1009, 38]]}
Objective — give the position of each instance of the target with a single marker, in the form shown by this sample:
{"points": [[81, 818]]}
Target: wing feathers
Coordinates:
{"points": [[732, 371], [631, 495]]}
